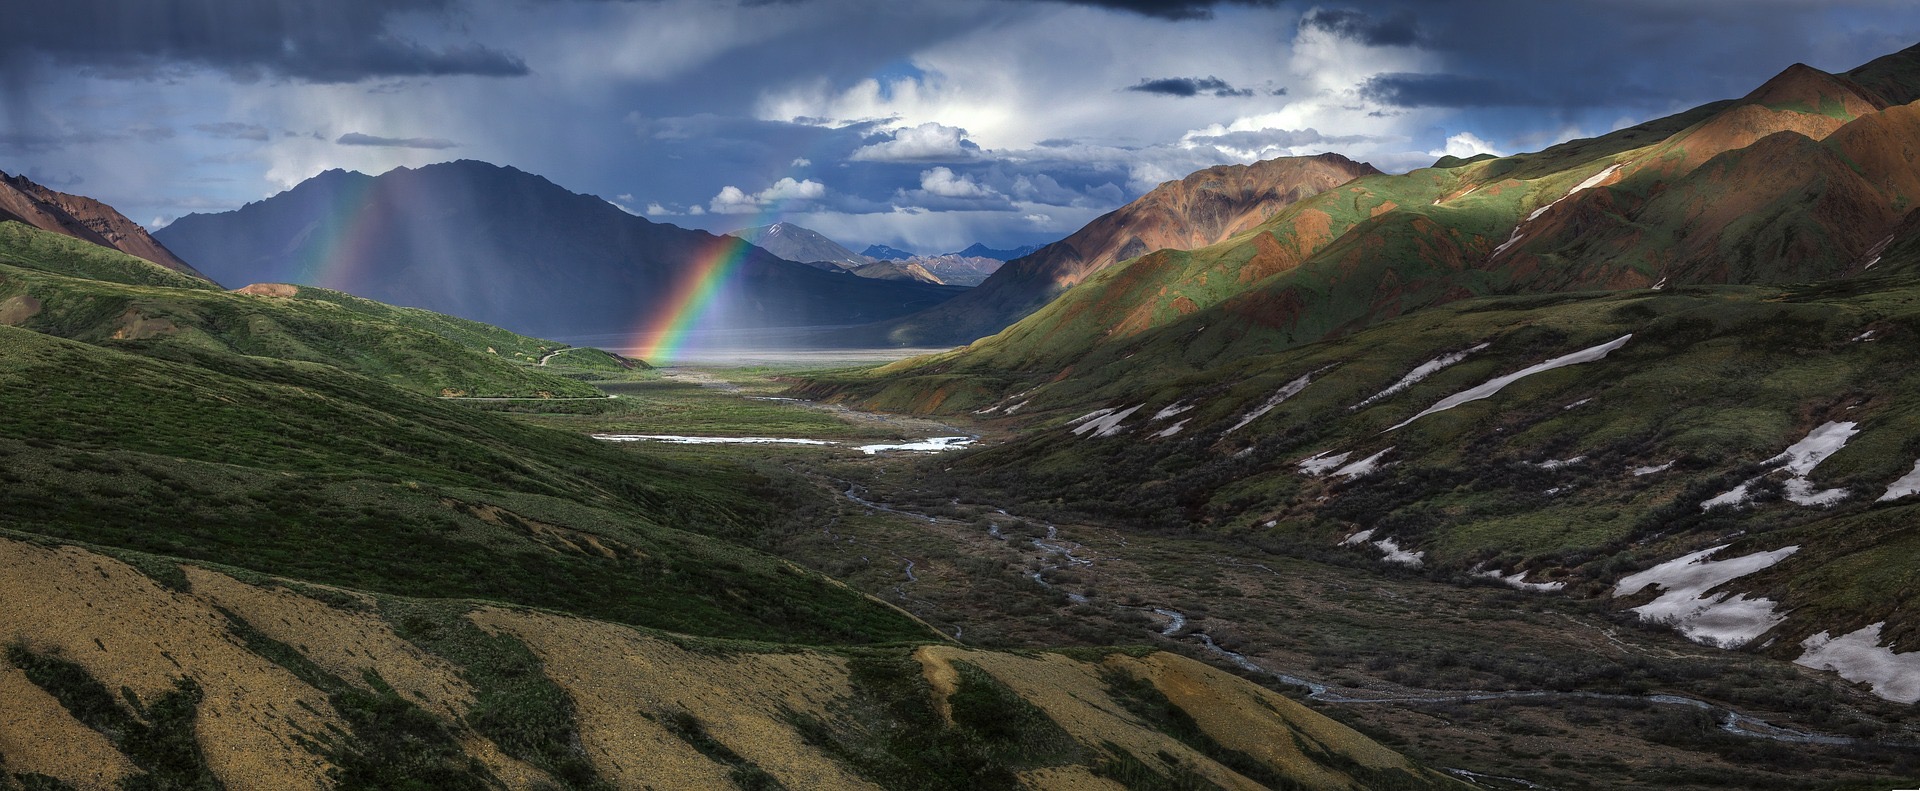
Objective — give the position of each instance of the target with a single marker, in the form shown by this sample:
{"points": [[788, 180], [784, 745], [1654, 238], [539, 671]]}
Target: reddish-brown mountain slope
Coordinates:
{"points": [[1202, 209], [1746, 194], [83, 218]]}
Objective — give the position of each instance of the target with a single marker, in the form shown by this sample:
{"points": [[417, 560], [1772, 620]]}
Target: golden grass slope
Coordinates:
{"points": [[632, 691], [129, 632], [624, 683], [37, 737]]}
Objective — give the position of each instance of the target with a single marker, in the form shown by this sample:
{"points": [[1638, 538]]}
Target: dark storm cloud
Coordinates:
{"points": [[1170, 9], [357, 139], [1618, 58], [234, 130], [37, 142], [1444, 90], [1189, 87], [325, 41], [1397, 29]]}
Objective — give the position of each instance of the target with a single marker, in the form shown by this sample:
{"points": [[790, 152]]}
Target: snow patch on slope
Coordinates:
{"points": [[1496, 385], [1394, 554], [1170, 410], [1858, 656], [1363, 466], [1799, 459], [1727, 620], [1518, 580], [1104, 423], [1413, 377], [1319, 463], [1554, 464], [1590, 183], [1907, 485], [1285, 392], [1170, 430]]}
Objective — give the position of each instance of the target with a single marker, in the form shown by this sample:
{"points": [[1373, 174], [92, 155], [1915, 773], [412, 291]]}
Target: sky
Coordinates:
{"points": [[918, 124]]}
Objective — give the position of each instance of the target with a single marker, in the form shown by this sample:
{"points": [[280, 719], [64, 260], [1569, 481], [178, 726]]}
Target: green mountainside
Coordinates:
{"points": [[72, 289], [1728, 193], [246, 546], [1733, 286]]}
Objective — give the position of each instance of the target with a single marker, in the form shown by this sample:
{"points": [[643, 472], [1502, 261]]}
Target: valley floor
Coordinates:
{"points": [[1504, 688]]}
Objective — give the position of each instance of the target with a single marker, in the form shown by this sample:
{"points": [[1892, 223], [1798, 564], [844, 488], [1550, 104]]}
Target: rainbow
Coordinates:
{"points": [[332, 259], [661, 338]]}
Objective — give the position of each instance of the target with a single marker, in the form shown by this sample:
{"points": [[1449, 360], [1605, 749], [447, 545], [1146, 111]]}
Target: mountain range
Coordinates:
{"points": [[809, 247], [804, 245], [1666, 370], [979, 250], [1203, 208], [284, 536], [509, 248], [881, 252]]}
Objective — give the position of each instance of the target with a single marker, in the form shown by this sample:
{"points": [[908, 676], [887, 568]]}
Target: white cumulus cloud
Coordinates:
{"points": [[733, 200], [928, 142], [1466, 144], [943, 182]]}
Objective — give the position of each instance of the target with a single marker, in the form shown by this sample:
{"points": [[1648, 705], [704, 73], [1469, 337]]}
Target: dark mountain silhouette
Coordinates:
{"points": [[510, 248]]}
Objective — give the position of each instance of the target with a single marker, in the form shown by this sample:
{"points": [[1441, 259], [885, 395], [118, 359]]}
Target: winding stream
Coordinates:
{"points": [[1732, 721]]}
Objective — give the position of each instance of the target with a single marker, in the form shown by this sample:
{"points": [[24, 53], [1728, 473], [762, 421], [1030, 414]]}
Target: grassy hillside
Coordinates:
{"points": [[1578, 475], [1800, 180], [228, 677], [27, 247], [64, 287], [302, 470]]}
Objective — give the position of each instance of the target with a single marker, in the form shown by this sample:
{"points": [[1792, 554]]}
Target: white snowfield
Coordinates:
{"points": [[928, 445], [1877, 250], [1319, 463], [1496, 385], [1357, 538], [1094, 415], [1641, 472], [1518, 580], [1726, 619], [1104, 423], [1591, 182], [1799, 459], [1170, 430], [1732, 499], [1394, 554], [1554, 464], [680, 440], [1363, 466], [1858, 656], [1420, 372], [1170, 410], [1280, 396], [1908, 485]]}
